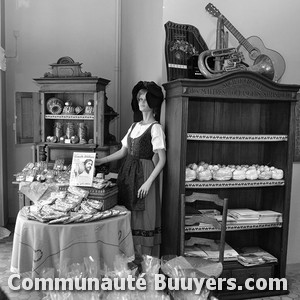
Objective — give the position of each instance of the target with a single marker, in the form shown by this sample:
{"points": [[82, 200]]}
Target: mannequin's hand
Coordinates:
{"points": [[144, 189]]}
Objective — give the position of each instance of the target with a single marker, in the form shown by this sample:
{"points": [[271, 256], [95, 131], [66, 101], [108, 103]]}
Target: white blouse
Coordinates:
{"points": [[158, 136]]}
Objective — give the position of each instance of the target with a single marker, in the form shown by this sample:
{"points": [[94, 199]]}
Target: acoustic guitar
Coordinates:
{"points": [[252, 47]]}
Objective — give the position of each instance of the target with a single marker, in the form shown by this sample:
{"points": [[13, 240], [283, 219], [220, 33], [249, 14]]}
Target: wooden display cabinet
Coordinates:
{"points": [[240, 118], [36, 122]]}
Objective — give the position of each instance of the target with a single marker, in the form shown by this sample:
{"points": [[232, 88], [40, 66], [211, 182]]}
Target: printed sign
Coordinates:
{"points": [[82, 170]]}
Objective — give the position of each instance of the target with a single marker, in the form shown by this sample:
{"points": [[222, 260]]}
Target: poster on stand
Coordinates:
{"points": [[82, 170]]}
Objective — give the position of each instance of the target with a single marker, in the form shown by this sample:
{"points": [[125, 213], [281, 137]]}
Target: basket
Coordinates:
{"points": [[108, 196]]}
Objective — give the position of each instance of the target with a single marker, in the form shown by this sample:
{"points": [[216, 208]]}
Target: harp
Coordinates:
{"points": [[183, 44]]}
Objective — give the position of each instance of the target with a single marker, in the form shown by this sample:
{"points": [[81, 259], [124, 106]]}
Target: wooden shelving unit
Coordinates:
{"points": [[80, 103], [240, 118]]}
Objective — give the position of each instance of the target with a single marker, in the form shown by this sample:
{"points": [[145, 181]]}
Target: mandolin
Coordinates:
{"points": [[252, 47]]}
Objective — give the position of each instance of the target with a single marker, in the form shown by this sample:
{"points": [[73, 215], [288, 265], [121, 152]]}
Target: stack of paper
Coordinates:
{"points": [[244, 215], [269, 216], [209, 249], [230, 219], [251, 256]]}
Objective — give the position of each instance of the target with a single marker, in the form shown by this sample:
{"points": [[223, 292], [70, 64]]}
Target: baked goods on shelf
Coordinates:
{"points": [[239, 173], [277, 173], [264, 173], [69, 109], [204, 175], [205, 172], [223, 173], [251, 173], [55, 106], [190, 174]]}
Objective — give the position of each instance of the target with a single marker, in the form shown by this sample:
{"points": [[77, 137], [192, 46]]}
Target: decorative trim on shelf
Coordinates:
{"points": [[68, 145], [236, 137], [70, 117], [233, 227], [196, 184]]}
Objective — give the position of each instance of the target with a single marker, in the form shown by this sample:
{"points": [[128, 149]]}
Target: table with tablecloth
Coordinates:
{"points": [[37, 245]]}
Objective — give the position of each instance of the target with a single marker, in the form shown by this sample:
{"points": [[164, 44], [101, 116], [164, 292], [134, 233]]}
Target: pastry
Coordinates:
{"points": [[277, 174], [264, 172], [265, 175], [204, 175], [190, 174], [239, 174], [68, 109], [55, 106], [224, 173], [251, 174], [193, 166], [89, 109]]}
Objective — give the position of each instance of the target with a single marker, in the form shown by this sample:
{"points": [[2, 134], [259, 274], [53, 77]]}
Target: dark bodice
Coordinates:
{"points": [[141, 147]]}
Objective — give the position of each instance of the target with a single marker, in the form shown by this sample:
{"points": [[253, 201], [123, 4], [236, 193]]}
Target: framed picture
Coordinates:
{"points": [[82, 169]]}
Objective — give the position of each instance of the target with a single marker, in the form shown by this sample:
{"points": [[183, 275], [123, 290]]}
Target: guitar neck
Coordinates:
{"points": [[237, 34]]}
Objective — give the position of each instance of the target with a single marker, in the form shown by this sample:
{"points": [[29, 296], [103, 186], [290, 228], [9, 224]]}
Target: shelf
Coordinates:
{"points": [[75, 146], [69, 117], [232, 184], [232, 227], [236, 137], [67, 145]]}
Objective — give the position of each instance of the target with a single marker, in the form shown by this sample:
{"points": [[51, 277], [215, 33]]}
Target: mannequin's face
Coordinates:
{"points": [[143, 104]]}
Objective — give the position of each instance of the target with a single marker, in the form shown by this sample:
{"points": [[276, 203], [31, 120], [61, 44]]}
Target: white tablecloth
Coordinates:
{"points": [[39, 245]]}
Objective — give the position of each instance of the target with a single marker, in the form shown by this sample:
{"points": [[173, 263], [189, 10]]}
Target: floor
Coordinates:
{"points": [[293, 276]]}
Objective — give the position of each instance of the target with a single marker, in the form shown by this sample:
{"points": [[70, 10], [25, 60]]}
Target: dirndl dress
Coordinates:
{"points": [[146, 212]]}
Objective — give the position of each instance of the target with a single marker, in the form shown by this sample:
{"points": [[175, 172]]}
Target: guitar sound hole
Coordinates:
{"points": [[254, 53]]}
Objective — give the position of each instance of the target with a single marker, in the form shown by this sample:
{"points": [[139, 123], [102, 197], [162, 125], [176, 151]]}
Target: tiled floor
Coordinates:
{"points": [[293, 276]]}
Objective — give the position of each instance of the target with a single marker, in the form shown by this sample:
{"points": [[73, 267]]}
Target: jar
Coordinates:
{"points": [[70, 130], [58, 129], [82, 131]]}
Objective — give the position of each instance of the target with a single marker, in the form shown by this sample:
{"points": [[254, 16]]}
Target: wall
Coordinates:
{"points": [[142, 50], [85, 30]]}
